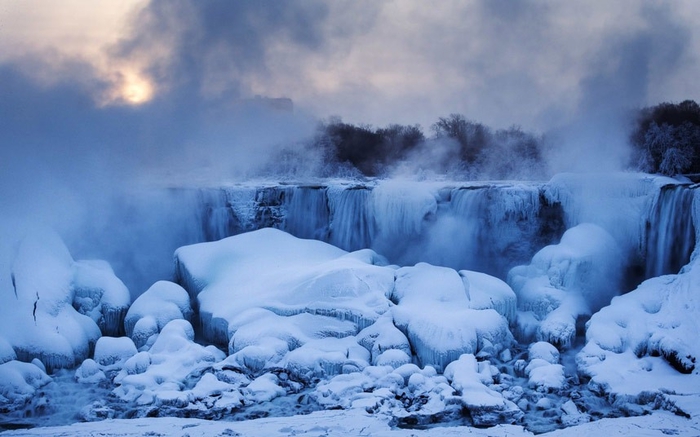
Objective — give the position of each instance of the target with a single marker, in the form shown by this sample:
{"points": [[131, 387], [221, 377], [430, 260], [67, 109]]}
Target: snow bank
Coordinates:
{"points": [[433, 310], [163, 302], [565, 281]]}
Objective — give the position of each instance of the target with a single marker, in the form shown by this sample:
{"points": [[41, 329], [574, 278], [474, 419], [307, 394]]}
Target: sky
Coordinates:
{"points": [[536, 64], [99, 95]]}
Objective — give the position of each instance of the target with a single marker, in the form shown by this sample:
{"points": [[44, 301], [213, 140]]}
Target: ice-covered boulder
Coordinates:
{"points": [[161, 374], [646, 340], [38, 318], [99, 294], [565, 281], [18, 384], [488, 292], [110, 350], [163, 302], [382, 337], [543, 370], [434, 311], [286, 275], [486, 406]]}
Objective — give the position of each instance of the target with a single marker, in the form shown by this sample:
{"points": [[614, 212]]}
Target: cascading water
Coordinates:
{"points": [[670, 232], [489, 228]]}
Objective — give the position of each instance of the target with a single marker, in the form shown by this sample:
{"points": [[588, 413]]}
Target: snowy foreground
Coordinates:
{"points": [[264, 333], [358, 423]]}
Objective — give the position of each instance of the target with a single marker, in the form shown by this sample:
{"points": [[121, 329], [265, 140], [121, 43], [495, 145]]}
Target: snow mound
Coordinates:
{"points": [[163, 302], [110, 350], [486, 406], [434, 312], [543, 370], [566, 281], [100, 295], [19, 383], [39, 320], [273, 270]]}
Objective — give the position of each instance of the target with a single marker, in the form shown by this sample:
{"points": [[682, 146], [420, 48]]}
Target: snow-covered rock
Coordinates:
{"points": [[19, 383], [99, 294], [39, 319], [486, 406], [565, 281], [156, 307], [109, 350], [433, 310], [286, 275]]}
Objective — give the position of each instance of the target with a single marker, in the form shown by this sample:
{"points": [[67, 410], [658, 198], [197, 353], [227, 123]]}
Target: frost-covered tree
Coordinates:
{"points": [[666, 138]]}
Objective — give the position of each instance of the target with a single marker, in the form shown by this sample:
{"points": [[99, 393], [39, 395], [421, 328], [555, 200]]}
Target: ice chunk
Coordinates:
{"points": [[544, 351], [99, 294], [110, 350], [574, 278], [434, 312], [327, 357], [156, 307]]}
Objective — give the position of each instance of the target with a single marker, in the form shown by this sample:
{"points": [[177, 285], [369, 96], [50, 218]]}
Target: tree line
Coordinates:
{"points": [[665, 139]]}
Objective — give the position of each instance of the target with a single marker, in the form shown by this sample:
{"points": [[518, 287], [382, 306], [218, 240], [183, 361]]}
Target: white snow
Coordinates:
{"points": [[109, 350], [162, 302], [355, 423]]}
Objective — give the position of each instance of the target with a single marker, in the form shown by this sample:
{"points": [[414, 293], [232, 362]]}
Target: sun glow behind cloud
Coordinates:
{"points": [[70, 31]]}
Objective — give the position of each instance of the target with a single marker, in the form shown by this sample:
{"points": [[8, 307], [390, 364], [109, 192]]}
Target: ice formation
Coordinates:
{"points": [[433, 310], [98, 293], [572, 279], [162, 302], [41, 322], [307, 324], [272, 270]]}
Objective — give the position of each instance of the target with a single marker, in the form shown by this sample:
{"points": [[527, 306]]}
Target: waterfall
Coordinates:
{"points": [[670, 231], [484, 227]]}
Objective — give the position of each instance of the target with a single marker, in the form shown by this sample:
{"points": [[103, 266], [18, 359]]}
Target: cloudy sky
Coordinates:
{"points": [[531, 63], [141, 87]]}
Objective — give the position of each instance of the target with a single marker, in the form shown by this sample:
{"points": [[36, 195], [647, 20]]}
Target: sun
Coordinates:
{"points": [[135, 89]]}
